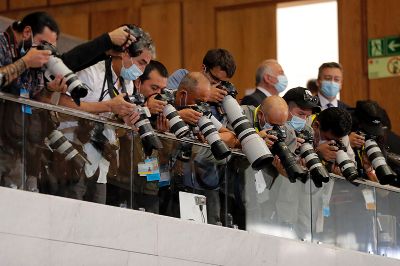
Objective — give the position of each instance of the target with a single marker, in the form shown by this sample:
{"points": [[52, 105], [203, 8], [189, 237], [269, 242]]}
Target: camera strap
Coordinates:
{"points": [[108, 77]]}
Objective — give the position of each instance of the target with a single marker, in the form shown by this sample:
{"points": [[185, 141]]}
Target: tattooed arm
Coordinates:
{"points": [[12, 71]]}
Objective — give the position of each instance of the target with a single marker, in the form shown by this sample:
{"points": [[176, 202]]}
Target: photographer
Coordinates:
{"points": [[110, 79], [372, 157], [195, 88], [301, 106], [272, 111], [330, 126], [151, 83], [18, 52]]}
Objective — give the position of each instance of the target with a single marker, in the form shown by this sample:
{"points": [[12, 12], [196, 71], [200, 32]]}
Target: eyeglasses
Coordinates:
{"points": [[214, 78]]}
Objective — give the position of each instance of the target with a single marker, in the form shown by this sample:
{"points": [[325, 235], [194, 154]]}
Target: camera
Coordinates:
{"points": [[208, 127], [55, 66], [56, 141], [228, 87], [287, 158], [346, 165], [148, 137], [176, 124], [383, 171], [253, 146], [317, 171]]}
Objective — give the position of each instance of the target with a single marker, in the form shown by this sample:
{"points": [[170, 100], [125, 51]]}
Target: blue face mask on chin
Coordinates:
{"points": [[282, 83], [330, 88], [297, 123], [266, 126], [131, 73]]}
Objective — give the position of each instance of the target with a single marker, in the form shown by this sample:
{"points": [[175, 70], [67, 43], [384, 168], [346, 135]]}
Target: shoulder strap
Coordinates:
{"points": [[110, 84]]}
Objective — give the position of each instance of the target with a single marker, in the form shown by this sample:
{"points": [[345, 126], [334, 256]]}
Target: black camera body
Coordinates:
{"points": [[306, 135], [318, 172], [166, 95], [228, 87], [202, 107], [287, 158]]}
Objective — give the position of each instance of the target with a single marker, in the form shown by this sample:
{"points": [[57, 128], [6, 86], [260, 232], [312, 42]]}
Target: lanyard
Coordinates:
{"points": [[111, 90]]}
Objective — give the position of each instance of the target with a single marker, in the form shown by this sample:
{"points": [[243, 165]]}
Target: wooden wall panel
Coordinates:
{"points": [[198, 32], [352, 50], [16, 4], [105, 21], [3, 5], [164, 23], [384, 20], [60, 2], [249, 33], [76, 25]]}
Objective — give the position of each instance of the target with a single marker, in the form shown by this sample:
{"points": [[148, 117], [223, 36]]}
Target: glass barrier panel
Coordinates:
{"points": [[345, 216], [185, 183], [388, 223], [272, 204], [68, 156], [12, 135]]}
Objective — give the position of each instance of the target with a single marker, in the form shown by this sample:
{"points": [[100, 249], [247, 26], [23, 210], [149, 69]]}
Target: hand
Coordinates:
{"points": [[216, 95], [131, 119], [36, 58], [121, 37], [201, 137], [269, 139], [155, 106], [162, 124], [369, 170], [300, 141], [190, 116], [278, 165], [59, 84], [328, 151], [119, 106], [356, 141], [336, 170]]}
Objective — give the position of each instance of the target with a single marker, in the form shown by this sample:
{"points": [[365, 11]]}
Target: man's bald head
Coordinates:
{"points": [[275, 110], [195, 86]]}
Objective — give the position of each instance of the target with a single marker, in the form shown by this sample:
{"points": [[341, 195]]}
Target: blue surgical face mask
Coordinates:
{"points": [[23, 51], [281, 84], [297, 123], [330, 88], [131, 73]]}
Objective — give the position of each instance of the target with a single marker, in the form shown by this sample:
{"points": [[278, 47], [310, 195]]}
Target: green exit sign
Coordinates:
{"points": [[381, 47]]}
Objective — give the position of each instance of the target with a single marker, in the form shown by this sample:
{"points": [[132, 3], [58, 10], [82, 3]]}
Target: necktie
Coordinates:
{"points": [[329, 105]]}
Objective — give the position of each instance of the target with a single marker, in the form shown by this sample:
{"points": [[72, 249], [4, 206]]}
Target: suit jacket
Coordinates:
{"points": [[342, 105], [254, 99]]}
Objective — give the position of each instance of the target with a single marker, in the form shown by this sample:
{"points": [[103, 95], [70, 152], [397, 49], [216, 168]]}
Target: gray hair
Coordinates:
{"points": [[263, 68]]}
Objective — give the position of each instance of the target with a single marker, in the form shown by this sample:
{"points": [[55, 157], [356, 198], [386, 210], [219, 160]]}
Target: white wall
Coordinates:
{"points": [[307, 36], [38, 229]]}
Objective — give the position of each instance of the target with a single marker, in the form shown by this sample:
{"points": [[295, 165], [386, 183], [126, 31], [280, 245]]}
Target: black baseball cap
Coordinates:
{"points": [[369, 116], [303, 98]]}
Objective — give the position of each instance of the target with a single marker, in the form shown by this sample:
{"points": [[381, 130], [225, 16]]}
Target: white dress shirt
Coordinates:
{"points": [[94, 77], [324, 102], [267, 93]]}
